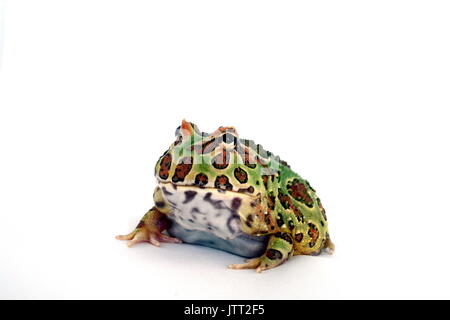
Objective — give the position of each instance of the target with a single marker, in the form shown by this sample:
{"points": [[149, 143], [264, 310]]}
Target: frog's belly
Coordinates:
{"points": [[243, 245], [208, 217]]}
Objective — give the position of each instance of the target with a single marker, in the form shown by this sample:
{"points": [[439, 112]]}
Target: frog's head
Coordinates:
{"points": [[220, 160], [197, 158]]}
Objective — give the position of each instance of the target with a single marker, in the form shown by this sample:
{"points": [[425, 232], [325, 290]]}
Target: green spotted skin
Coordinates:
{"points": [[275, 200]]}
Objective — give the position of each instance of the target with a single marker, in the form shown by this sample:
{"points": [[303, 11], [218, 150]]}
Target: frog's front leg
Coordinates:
{"points": [[152, 224], [279, 249]]}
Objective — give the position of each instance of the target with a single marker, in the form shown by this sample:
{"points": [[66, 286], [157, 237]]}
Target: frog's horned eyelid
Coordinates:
{"points": [[186, 128]]}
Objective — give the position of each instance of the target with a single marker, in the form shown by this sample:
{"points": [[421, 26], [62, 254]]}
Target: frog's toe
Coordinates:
{"points": [[143, 235], [131, 236], [259, 264], [125, 236], [260, 269], [249, 264], [137, 236], [166, 238]]}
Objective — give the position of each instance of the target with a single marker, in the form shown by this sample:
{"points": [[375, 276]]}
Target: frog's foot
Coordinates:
{"points": [[260, 264], [150, 230], [279, 250], [255, 263], [144, 235]]}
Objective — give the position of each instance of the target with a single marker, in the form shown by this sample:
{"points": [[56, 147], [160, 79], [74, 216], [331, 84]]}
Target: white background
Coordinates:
{"points": [[353, 94]]}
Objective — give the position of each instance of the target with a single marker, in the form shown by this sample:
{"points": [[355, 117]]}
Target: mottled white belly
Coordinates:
{"points": [[206, 210]]}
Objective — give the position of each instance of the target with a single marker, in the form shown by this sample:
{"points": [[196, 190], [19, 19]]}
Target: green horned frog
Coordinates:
{"points": [[221, 191]]}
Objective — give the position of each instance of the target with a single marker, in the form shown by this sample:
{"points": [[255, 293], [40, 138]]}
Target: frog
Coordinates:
{"points": [[222, 191]]}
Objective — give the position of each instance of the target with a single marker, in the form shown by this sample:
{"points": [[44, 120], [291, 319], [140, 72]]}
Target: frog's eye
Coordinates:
{"points": [[229, 138]]}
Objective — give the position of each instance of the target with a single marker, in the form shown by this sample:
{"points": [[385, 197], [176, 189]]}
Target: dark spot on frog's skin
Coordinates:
{"points": [[271, 201], [280, 221], [241, 175], [160, 204], [268, 221], [321, 222], [298, 213], [284, 236], [189, 196], [164, 166], [291, 225], [178, 140], [201, 180], [207, 196], [182, 169], [222, 182], [249, 220], [247, 190], [217, 204], [299, 192], [197, 211], [167, 193], [313, 232], [299, 237], [278, 175], [236, 203], [284, 200], [274, 254], [265, 179]]}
